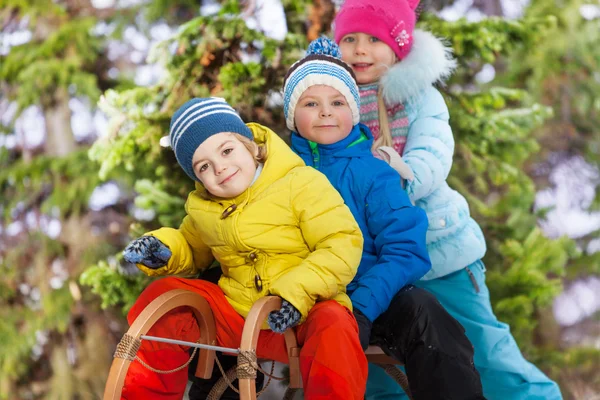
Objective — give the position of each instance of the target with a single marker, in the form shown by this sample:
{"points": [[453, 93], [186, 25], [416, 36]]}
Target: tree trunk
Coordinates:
{"points": [[59, 138], [320, 17]]}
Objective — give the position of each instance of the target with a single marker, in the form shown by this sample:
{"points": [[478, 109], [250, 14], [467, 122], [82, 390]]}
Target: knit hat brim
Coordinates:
{"points": [[196, 121], [393, 24], [319, 70]]}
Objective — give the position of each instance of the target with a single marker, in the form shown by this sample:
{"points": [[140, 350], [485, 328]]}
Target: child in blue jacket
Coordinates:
{"points": [[321, 107]]}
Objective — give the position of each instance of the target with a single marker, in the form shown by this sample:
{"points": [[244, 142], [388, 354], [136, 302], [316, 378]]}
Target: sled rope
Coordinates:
{"points": [[128, 347], [246, 368]]}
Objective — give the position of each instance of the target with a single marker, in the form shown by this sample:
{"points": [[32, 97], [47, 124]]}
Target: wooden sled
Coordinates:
{"points": [[247, 362]]}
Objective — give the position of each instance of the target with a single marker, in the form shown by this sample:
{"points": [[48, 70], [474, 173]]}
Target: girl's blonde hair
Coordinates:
{"points": [[385, 135], [259, 150]]}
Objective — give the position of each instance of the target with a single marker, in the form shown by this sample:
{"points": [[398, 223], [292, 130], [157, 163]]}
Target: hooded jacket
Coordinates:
{"points": [[289, 234], [454, 239], [394, 252]]}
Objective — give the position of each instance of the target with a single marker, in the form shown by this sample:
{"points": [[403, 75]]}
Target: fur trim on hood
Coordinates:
{"points": [[429, 61]]}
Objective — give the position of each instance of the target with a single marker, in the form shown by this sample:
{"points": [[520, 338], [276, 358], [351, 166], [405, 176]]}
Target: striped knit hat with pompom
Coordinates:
{"points": [[322, 65], [197, 120]]}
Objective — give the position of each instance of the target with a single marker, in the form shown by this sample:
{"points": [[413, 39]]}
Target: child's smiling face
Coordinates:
{"points": [[368, 56], [323, 115], [224, 165]]}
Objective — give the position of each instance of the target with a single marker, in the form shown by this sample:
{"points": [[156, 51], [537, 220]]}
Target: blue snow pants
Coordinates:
{"points": [[505, 373]]}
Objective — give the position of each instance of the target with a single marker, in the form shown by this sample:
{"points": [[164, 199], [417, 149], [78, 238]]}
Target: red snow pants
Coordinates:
{"points": [[332, 363]]}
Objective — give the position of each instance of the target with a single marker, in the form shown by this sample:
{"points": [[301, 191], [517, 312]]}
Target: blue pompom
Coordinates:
{"points": [[324, 46]]}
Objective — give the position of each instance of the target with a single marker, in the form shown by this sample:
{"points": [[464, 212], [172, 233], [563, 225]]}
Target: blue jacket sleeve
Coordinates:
{"points": [[398, 229], [429, 145]]}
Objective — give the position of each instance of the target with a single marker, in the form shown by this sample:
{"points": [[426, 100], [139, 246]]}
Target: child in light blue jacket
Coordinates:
{"points": [[396, 67]]}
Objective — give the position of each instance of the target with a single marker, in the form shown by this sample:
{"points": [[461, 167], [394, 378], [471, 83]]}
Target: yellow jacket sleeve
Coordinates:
{"points": [[189, 254], [333, 237]]}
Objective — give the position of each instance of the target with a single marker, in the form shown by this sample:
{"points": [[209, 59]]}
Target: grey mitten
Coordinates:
{"points": [[287, 317], [148, 251]]}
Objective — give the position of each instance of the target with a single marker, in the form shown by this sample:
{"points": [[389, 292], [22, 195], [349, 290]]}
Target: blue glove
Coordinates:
{"points": [[148, 251], [287, 317]]}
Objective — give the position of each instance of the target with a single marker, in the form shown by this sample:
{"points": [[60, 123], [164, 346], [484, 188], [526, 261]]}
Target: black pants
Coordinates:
{"points": [[417, 331], [201, 387]]}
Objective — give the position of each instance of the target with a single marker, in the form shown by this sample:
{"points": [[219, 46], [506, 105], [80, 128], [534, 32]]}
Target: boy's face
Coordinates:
{"points": [[368, 56], [224, 165], [322, 115]]}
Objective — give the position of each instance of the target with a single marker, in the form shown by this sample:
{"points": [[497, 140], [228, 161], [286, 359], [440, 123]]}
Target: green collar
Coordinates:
{"points": [[362, 138]]}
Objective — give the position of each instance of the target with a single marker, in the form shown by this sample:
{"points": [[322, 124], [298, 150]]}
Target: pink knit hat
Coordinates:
{"points": [[391, 21]]}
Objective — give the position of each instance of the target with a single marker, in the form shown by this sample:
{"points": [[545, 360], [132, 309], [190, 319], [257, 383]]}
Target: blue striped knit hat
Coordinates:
{"points": [[196, 121], [322, 65]]}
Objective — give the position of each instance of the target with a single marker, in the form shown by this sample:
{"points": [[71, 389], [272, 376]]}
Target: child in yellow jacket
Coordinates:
{"points": [[276, 227]]}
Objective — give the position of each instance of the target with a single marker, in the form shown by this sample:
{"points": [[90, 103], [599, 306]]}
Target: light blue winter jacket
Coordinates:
{"points": [[454, 239]]}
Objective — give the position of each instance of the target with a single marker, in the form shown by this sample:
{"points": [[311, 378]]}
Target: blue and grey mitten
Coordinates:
{"points": [[287, 317], [148, 251]]}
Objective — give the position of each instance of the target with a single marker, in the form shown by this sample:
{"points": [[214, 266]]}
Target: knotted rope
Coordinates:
{"points": [[246, 369], [247, 366], [128, 347]]}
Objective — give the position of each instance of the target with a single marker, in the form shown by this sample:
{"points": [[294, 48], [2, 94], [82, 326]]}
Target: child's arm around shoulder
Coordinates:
{"points": [[333, 237], [398, 230], [429, 145], [189, 254]]}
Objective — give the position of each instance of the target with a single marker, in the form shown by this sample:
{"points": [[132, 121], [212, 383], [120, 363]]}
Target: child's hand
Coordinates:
{"points": [[287, 317], [148, 251], [364, 328]]}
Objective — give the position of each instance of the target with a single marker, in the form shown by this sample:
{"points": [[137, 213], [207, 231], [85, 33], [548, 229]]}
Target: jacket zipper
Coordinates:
{"points": [[315, 153], [473, 280], [258, 283]]}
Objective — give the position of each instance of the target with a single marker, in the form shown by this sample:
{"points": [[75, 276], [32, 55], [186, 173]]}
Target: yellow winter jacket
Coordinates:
{"points": [[290, 234]]}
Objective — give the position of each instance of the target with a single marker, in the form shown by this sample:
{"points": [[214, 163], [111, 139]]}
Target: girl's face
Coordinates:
{"points": [[224, 165], [368, 56], [322, 115]]}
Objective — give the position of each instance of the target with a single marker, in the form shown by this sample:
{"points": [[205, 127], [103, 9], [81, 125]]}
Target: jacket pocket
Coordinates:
{"points": [[443, 218], [444, 222]]}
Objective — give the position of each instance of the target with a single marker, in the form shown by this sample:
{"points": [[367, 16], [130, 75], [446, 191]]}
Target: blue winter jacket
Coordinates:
{"points": [[394, 253]]}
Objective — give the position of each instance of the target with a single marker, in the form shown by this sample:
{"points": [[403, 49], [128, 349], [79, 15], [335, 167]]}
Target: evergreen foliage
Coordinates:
{"points": [[543, 61]]}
